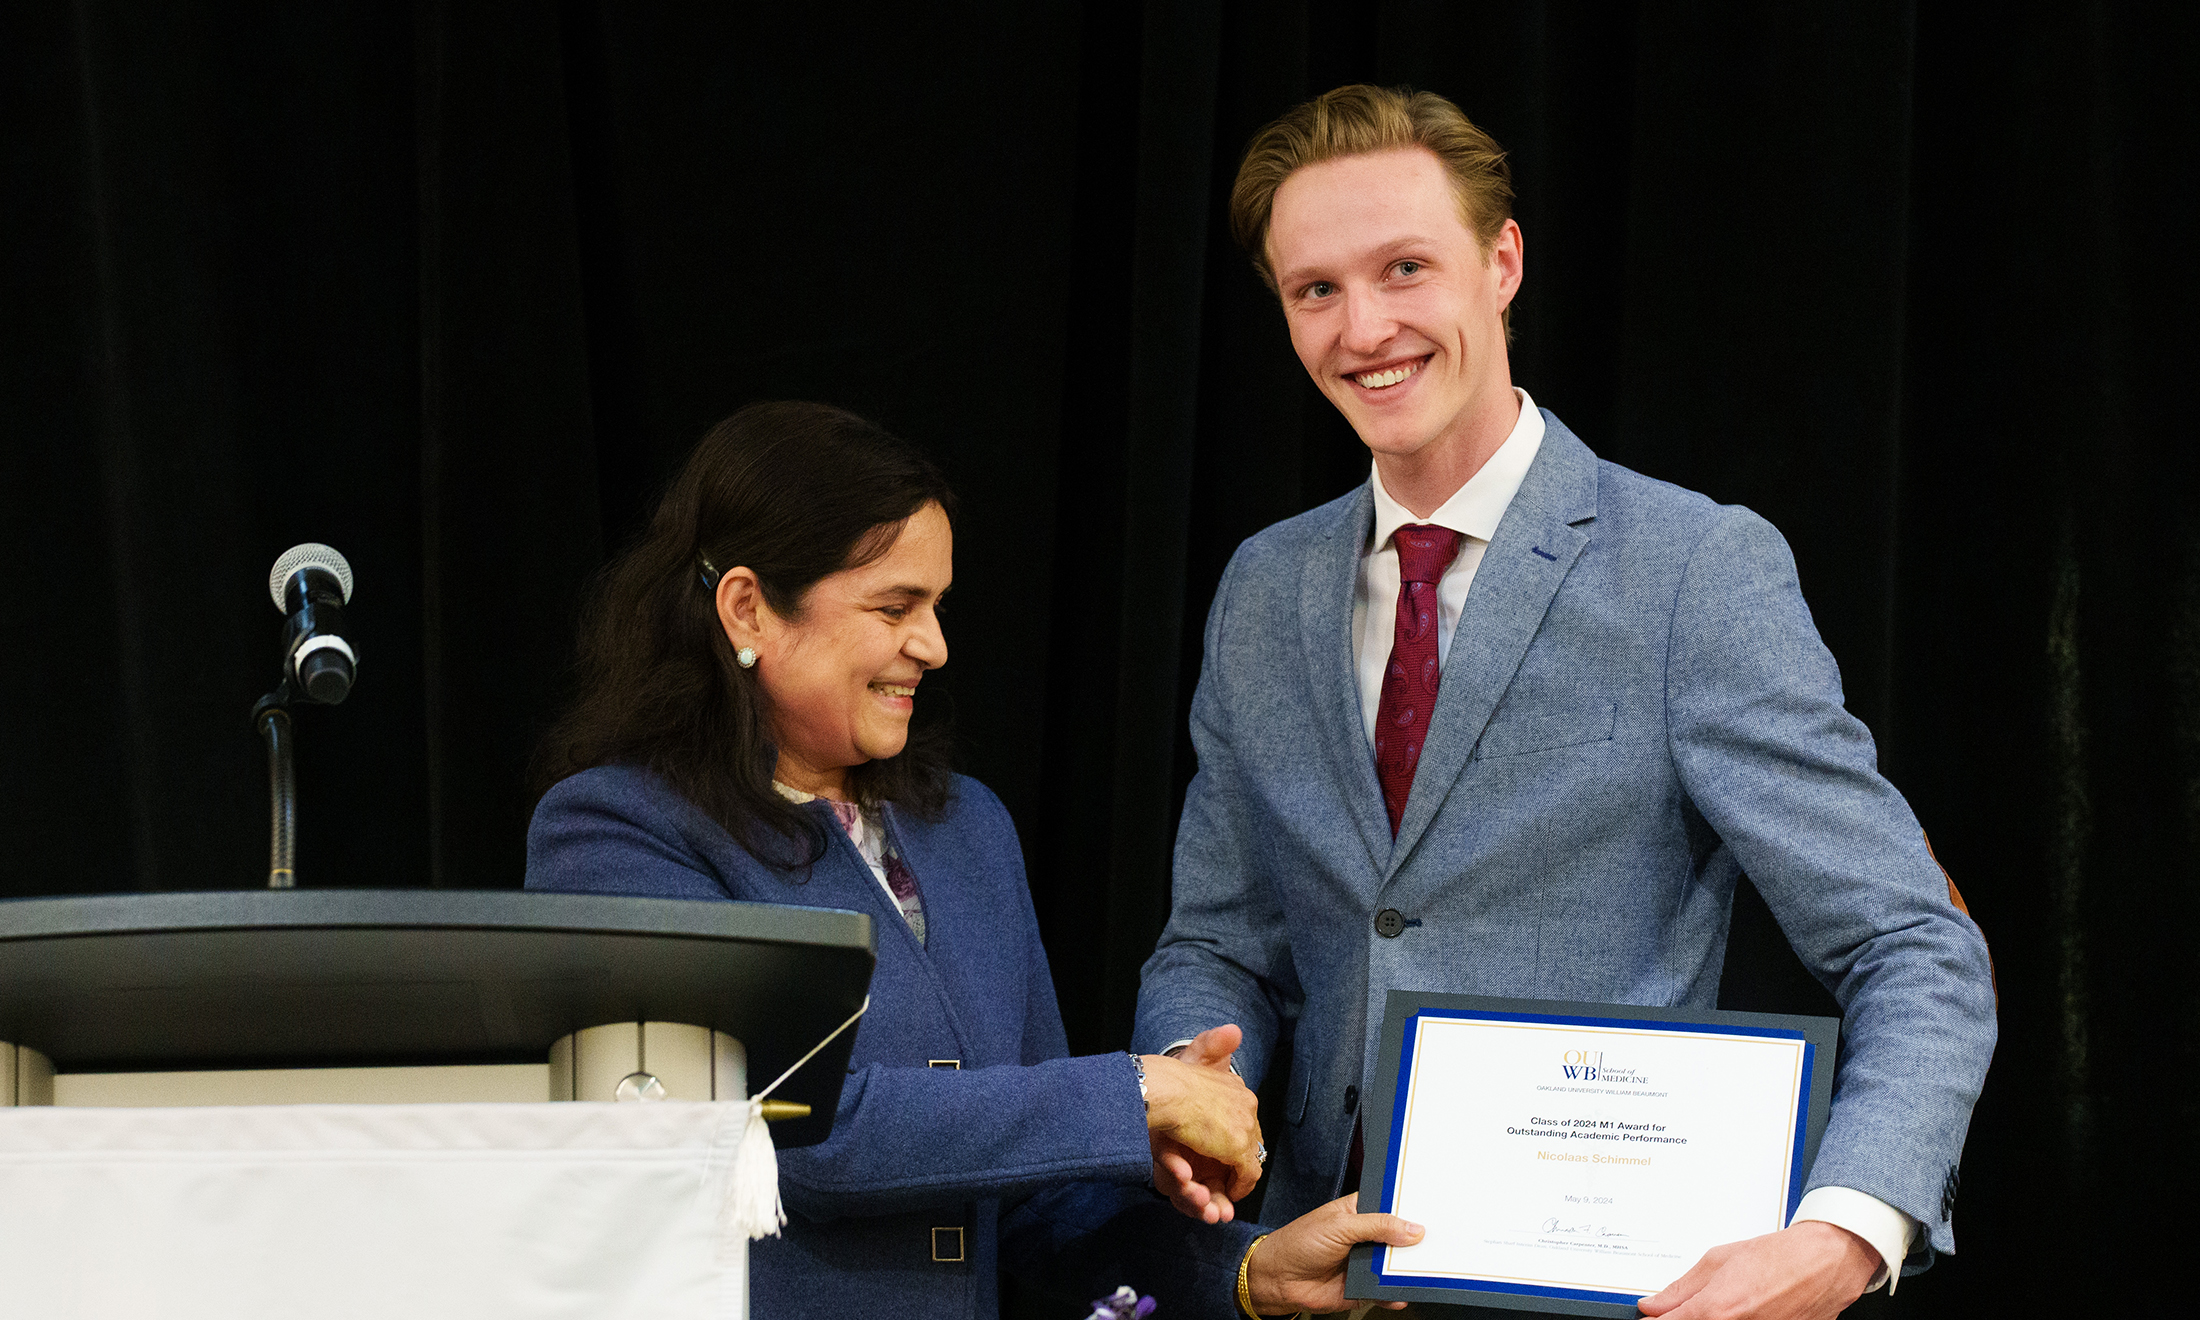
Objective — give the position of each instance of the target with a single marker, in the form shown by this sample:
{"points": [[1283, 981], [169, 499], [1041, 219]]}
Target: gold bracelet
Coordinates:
{"points": [[1245, 1279]]}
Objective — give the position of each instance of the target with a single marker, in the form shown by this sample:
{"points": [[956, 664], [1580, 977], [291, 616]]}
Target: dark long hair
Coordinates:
{"points": [[793, 492]]}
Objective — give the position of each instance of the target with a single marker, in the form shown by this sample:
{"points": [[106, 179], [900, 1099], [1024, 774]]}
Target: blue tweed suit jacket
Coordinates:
{"points": [[993, 1147], [1635, 712]]}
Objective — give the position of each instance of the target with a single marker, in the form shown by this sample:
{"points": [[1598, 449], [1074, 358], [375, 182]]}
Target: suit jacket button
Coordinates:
{"points": [[1351, 1098], [1389, 923]]}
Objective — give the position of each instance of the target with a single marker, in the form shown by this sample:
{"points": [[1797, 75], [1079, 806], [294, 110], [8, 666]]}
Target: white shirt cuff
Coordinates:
{"points": [[1887, 1229]]}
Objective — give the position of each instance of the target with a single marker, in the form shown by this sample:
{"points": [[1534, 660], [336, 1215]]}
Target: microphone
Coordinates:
{"points": [[311, 584]]}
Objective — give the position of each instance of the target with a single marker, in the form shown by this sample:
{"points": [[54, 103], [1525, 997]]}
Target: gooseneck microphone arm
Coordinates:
{"points": [[282, 783], [310, 584]]}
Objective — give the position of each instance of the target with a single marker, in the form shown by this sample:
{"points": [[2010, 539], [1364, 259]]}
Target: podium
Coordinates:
{"points": [[443, 998]]}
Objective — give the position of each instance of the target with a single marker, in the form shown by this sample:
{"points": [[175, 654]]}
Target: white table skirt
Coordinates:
{"points": [[373, 1212]]}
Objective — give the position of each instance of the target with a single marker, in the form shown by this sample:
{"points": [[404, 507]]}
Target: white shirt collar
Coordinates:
{"points": [[1475, 508]]}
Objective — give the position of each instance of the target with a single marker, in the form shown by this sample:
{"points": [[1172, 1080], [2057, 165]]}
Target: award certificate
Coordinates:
{"points": [[1574, 1158]]}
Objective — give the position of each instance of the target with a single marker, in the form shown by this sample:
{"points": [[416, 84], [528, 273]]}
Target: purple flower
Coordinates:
{"points": [[1122, 1304]]}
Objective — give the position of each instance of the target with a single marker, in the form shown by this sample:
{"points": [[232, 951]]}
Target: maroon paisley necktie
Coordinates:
{"points": [[1409, 681]]}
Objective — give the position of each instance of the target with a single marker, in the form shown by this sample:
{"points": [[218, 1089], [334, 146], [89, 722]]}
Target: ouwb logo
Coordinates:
{"points": [[1582, 1065]]}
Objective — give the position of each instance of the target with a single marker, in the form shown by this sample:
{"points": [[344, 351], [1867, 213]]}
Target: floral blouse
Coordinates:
{"points": [[869, 837]]}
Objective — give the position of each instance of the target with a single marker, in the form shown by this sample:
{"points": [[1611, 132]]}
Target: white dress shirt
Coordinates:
{"points": [[1474, 510]]}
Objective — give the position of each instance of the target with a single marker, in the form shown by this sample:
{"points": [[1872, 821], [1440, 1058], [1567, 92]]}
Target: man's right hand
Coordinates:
{"points": [[1204, 1127]]}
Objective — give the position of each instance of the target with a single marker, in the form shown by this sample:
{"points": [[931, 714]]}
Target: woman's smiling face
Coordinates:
{"points": [[840, 676]]}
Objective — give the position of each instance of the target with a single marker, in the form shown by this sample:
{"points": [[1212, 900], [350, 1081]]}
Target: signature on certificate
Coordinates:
{"points": [[1555, 1225]]}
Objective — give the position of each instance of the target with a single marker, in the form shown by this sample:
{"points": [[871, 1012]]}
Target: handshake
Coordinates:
{"points": [[1204, 1127]]}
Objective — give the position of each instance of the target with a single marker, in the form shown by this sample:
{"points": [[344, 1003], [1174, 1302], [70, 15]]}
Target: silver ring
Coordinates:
{"points": [[1260, 1151]]}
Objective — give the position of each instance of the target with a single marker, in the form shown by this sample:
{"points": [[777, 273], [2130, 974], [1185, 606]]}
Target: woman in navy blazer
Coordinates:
{"points": [[749, 670]]}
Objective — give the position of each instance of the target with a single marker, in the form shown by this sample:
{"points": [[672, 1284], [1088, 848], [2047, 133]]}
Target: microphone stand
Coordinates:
{"points": [[310, 585], [271, 716]]}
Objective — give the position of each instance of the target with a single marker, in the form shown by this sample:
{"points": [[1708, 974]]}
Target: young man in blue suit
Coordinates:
{"points": [[1545, 786]]}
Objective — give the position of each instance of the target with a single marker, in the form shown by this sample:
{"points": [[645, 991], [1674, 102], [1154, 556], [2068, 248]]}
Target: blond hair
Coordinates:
{"points": [[1355, 121]]}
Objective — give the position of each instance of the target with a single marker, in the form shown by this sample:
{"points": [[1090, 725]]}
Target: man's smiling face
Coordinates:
{"points": [[1392, 304]]}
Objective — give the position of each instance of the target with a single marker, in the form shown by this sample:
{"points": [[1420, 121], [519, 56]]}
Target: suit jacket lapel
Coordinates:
{"points": [[1536, 544], [946, 919], [1326, 585]]}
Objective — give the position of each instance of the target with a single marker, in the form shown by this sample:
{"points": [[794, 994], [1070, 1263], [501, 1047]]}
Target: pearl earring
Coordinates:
{"points": [[747, 656]]}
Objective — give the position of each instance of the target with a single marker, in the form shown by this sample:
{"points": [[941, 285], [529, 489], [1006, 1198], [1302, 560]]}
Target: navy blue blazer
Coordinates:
{"points": [[1636, 711], [1059, 1142]]}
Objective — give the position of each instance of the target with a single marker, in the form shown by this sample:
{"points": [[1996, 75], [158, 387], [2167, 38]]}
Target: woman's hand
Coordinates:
{"points": [[1204, 1125], [1300, 1267]]}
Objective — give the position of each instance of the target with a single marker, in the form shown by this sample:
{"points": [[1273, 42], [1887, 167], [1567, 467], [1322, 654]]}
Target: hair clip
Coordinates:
{"points": [[710, 572]]}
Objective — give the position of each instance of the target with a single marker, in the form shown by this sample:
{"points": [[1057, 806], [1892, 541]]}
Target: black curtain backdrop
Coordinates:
{"points": [[453, 288]]}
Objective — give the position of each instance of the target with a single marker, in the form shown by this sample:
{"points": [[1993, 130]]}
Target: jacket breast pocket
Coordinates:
{"points": [[1542, 728]]}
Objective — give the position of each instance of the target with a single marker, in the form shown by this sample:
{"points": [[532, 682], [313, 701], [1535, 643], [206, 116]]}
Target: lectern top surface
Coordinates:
{"points": [[301, 978], [103, 914]]}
